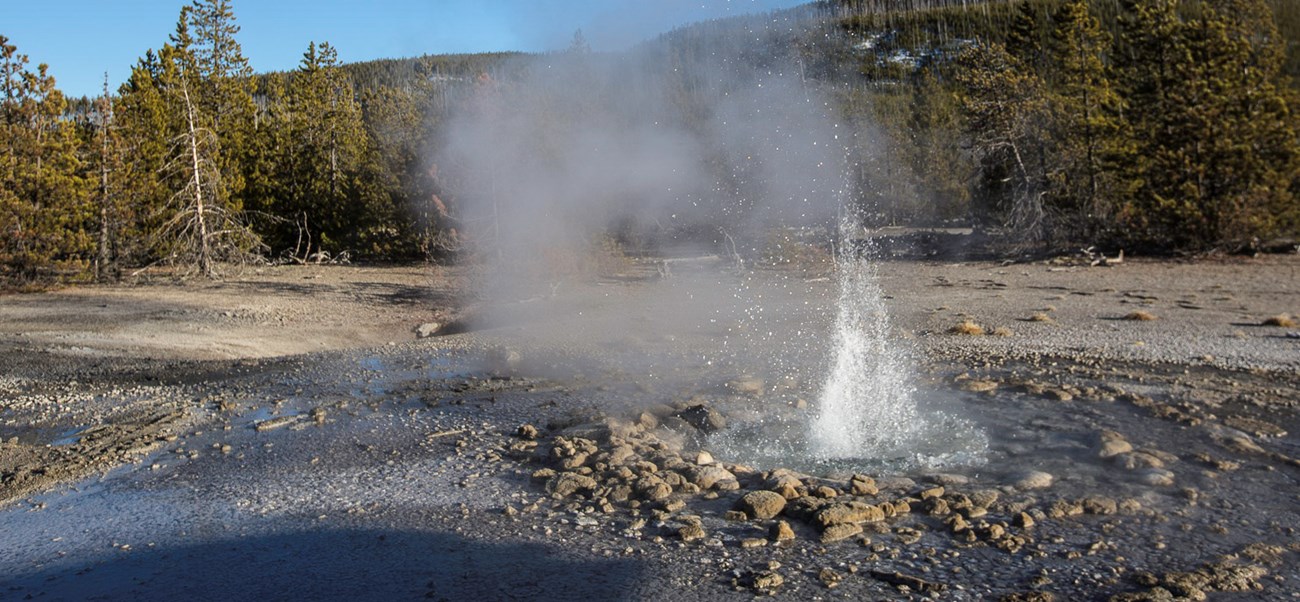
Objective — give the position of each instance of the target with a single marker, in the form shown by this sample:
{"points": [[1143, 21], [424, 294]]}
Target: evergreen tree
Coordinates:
{"points": [[1007, 116], [1087, 117], [326, 154], [44, 215]]}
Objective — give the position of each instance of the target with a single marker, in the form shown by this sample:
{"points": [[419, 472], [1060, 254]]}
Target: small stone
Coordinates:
{"points": [[841, 531], [1100, 505], [707, 477], [768, 582], [1023, 520], [673, 505], [825, 492], [703, 418], [691, 532], [861, 484], [735, 515], [427, 329], [1111, 443], [704, 458], [526, 431], [780, 531], [753, 542], [829, 577], [567, 483], [761, 505], [1156, 477], [932, 492]]}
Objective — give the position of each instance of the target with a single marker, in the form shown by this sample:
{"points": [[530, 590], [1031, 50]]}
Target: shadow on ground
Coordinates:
{"points": [[333, 565]]}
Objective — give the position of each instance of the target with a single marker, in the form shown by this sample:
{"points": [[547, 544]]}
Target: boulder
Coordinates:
{"points": [[761, 505], [703, 418]]}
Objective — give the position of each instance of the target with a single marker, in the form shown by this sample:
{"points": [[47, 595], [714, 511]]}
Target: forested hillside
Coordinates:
{"points": [[1159, 125]]}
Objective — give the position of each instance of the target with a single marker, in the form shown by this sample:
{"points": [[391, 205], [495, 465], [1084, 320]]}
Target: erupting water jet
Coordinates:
{"points": [[866, 408]]}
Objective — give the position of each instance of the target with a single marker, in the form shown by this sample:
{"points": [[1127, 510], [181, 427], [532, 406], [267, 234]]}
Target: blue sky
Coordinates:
{"points": [[83, 39]]}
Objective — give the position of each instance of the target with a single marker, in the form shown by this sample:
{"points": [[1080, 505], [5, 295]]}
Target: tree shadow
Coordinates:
{"points": [[362, 564]]}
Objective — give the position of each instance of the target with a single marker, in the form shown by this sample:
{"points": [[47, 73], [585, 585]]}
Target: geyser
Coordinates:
{"points": [[866, 407]]}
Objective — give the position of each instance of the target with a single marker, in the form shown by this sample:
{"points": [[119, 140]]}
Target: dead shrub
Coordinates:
{"points": [[967, 327], [1283, 320]]}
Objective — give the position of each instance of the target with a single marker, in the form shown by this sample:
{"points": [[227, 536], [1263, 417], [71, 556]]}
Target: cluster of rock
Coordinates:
{"points": [[644, 465]]}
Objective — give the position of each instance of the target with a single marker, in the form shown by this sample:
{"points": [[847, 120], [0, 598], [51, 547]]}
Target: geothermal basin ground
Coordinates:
{"points": [[1124, 432]]}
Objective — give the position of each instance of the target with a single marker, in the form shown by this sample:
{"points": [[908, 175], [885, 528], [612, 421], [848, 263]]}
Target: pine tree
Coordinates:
{"points": [[1217, 138], [1007, 120], [223, 88], [1087, 118], [44, 215], [327, 151]]}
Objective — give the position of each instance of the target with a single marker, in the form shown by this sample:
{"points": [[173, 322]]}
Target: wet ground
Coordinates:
{"points": [[388, 472]]}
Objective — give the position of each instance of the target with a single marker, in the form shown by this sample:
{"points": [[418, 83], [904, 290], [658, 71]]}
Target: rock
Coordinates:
{"points": [[767, 582], [673, 505], [1031, 479], [747, 385], [761, 505], [753, 542], [850, 512], [780, 531], [1100, 505], [984, 498], [427, 329], [840, 532], [1111, 443], [703, 418], [1136, 460], [653, 488], [691, 532], [274, 423], [1023, 520], [526, 431], [860, 484], [647, 421], [947, 479], [932, 492], [567, 483], [704, 458], [1156, 477], [708, 476], [735, 515], [829, 577], [825, 492]]}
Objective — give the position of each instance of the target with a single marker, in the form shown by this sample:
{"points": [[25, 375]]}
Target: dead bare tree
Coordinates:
{"points": [[202, 231]]}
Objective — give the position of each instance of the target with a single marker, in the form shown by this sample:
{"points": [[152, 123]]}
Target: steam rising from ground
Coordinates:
{"points": [[682, 149]]}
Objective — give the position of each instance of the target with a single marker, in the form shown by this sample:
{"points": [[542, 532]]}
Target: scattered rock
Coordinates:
{"points": [[708, 477], [839, 532], [1156, 477], [780, 531], [1111, 443], [848, 512], [830, 577], [427, 329], [703, 418], [566, 484], [527, 431], [762, 505], [860, 484], [691, 532]]}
